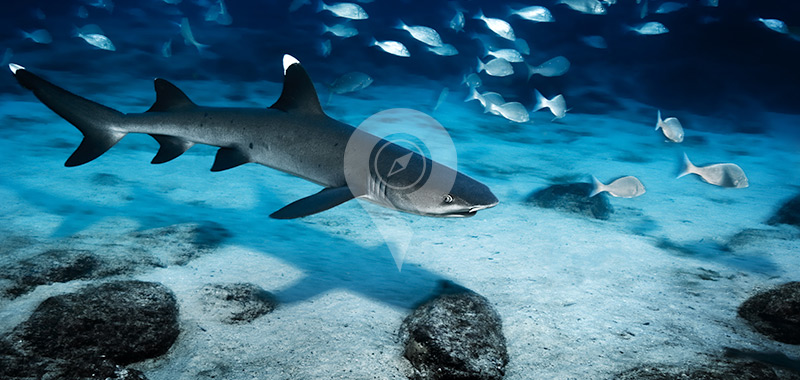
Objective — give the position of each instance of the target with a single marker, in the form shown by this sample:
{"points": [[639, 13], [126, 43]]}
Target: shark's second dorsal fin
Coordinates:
{"points": [[298, 93], [169, 98]]}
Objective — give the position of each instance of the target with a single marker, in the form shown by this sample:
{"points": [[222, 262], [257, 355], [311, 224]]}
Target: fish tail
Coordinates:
{"points": [[400, 24], [321, 6], [97, 122], [479, 15], [481, 66], [658, 123], [473, 94], [540, 101], [687, 167], [532, 70], [597, 187]]}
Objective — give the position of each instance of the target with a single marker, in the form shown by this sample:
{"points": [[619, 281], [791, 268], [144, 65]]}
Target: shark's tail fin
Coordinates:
{"points": [[94, 120]]}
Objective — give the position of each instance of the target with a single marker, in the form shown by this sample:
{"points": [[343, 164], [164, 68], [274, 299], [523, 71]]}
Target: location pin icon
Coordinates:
{"points": [[399, 159]]}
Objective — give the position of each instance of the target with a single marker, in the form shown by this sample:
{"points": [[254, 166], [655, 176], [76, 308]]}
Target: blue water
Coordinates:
{"points": [[579, 298]]}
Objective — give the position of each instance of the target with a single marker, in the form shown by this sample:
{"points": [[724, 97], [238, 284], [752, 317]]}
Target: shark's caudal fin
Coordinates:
{"points": [[94, 120], [298, 93]]}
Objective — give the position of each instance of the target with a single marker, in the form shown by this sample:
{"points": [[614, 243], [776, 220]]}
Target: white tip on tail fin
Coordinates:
{"points": [[288, 60], [597, 187], [14, 67], [687, 166]]}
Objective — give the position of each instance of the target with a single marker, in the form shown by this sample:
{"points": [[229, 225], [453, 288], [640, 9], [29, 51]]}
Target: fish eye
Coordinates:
{"points": [[448, 198]]}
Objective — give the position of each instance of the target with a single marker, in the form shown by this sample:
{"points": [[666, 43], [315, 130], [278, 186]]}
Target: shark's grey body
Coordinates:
{"points": [[294, 136]]}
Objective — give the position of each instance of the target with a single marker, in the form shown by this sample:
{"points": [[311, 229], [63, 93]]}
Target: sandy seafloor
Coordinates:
{"points": [[579, 298]]}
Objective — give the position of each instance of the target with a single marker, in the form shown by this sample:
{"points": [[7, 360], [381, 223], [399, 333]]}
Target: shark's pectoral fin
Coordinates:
{"points": [[228, 158], [170, 148], [325, 199]]}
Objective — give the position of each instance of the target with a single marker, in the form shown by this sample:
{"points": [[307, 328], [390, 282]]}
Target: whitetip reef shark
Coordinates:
{"points": [[294, 136]]}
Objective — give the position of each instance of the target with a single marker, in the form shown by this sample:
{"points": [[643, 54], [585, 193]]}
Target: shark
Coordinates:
{"points": [[294, 136]]}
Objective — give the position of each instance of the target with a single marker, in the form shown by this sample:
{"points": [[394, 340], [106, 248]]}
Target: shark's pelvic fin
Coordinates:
{"points": [[94, 120], [228, 158], [325, 199], [298, 93], [170, 148], [169, 98]]}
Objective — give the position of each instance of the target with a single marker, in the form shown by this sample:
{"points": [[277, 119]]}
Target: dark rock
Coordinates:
{"points": [[789, 213], [50, 267], [455, 335], [573, 198], [722, 370], [237, 303], [754, 236], [120, 322], [775, 312]]}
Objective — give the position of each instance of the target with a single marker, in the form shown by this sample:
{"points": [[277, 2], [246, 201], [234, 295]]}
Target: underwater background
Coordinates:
{"points": [[548, 284]]}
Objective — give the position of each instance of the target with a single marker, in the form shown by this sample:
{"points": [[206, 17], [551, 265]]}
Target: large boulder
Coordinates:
{"points": [[236, 303], [775, 312], [573, 198], [455, 335], [722, 370]]}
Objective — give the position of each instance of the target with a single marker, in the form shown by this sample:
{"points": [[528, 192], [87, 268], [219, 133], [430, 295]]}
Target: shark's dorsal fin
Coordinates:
{"points": [[298, 93], [169, 98]]}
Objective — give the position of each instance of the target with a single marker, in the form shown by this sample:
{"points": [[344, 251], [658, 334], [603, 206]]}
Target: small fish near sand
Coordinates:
{"points": [[724, 175], [625, 187], [513, 111], [672, 128]]}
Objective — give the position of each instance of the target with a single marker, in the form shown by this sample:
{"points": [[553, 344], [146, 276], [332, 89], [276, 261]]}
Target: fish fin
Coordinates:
{"points": [[321, 6], [658, 123], [531, 70], [597, 187], [298, 93], [169, 97], [170, 147], [687, 167], [479, 15], [94, 120], [327, 198], [400, 24], [228, 158], [481, 66], [540, 100]]}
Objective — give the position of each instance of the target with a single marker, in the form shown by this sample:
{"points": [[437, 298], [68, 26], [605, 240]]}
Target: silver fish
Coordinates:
{"points": [[534, 13], [350, 82], [392, 47], [557, 105], [513, 111], [551, 68], [444, 50], [40, 36], [509, 55], [98, 41], [591, 7], [457, 23], [671, 127], [472, 80], [166, 49], [344, 10], [340, 30], [651, 28], [497, 67], [424, 34], [325, 48], [188, 36], [724, 175], [774, 25], [487, 99], [498, 26], [625, 187], [522, 46], [670, 7]]}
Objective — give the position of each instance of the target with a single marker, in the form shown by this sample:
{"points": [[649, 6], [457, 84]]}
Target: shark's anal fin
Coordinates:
{"points": [[169, 97], [325, 199], [170, 148], [228, 158], [298, 93]]}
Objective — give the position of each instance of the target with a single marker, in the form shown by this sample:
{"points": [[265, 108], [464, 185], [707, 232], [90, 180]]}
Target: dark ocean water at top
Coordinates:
{"points": [[714, 61]]}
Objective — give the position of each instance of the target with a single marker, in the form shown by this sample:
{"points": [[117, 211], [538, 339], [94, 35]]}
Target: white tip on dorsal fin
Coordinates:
{"points": [[14, 67], [288, 60]]}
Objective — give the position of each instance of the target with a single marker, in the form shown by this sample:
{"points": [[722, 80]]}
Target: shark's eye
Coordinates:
{"points": [[448, 198]]}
